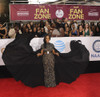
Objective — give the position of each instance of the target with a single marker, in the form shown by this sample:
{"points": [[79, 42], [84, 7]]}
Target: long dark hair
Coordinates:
{"points": [[45, 40]]}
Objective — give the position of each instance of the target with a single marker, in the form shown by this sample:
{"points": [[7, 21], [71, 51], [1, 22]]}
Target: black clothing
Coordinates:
{"points": [[2, 32], [23, 63], [97, 34], [81, 33]]}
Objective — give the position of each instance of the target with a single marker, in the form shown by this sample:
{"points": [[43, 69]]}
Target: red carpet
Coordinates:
{"points": [[87, 85]]}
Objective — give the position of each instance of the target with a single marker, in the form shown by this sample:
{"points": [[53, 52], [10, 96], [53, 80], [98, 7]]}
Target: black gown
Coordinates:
{"points": [[24, 65]]}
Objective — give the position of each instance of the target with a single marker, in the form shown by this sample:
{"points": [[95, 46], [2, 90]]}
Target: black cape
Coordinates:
{"points": [[24, 65]]}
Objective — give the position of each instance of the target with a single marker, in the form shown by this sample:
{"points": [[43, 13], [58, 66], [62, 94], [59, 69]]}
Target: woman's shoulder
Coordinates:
{"points": [[51, 44], [42, 45]]}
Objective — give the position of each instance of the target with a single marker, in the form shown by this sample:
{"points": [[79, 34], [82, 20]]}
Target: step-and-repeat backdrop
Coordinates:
{"points": [[43, 12], [62, 44]]}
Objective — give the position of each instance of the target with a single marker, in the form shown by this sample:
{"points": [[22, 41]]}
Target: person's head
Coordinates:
{"points": [[49, 21], [34, 29], [46, 23], [31, 23], [80, 27], [53, 25], [57, 20], [61, 30], [26, 30], [36, 25], [0, 25], [41, 22], [73, 26], [75, 21], [50, 31], [66, 25], [30, 30], [98, 24], [62, 20], [72, 22], [47, 39], [38, 28], [82, 21], [28, 25], [92, 24], [16, 27], [66, 20], [42, 29], [87, 25], [67, 29], [93, 28], [98, 29]]}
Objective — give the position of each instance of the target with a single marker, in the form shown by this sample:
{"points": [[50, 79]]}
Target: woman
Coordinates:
{"points": [[62, 32], [87, 30], [46, 27], [55, 32], [97, 33], [48, 53], [80, 30], [74, 31], [35, 32], [66, 25], [67, 32], [43, 32], [22, 62], [39, 32]]}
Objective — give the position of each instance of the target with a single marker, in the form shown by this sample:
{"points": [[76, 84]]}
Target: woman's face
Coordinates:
{"points": [[73, 26], [57, 20], [34, 29], [38, 28], [0, 25], [97, 29], [46, 23], [30, 30], [42, 29], [61, 30], [26, 29], [80, 28], [87, 25], [93, 28], [67, 29], [28, 25], [66, 25], [47, 39], [31, 23]]}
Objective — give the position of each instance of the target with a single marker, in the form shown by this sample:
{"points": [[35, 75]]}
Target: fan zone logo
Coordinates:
{"points": [[59, 45], [59, 13], [96, 46]]}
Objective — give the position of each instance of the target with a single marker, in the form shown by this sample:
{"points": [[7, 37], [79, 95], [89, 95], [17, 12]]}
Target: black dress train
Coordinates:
{"points": [[22, 62]]}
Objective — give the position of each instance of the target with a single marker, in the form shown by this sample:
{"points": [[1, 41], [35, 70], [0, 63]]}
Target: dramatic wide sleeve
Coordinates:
{"points": [[22, 62], [70, 65]]}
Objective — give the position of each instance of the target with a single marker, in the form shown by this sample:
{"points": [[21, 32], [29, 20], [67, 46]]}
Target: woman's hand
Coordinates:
{"points": [[57, 54], [39, 54]]}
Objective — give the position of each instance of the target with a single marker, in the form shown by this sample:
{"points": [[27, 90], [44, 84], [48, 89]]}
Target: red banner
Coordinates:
{"points": [[43, 12]]}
